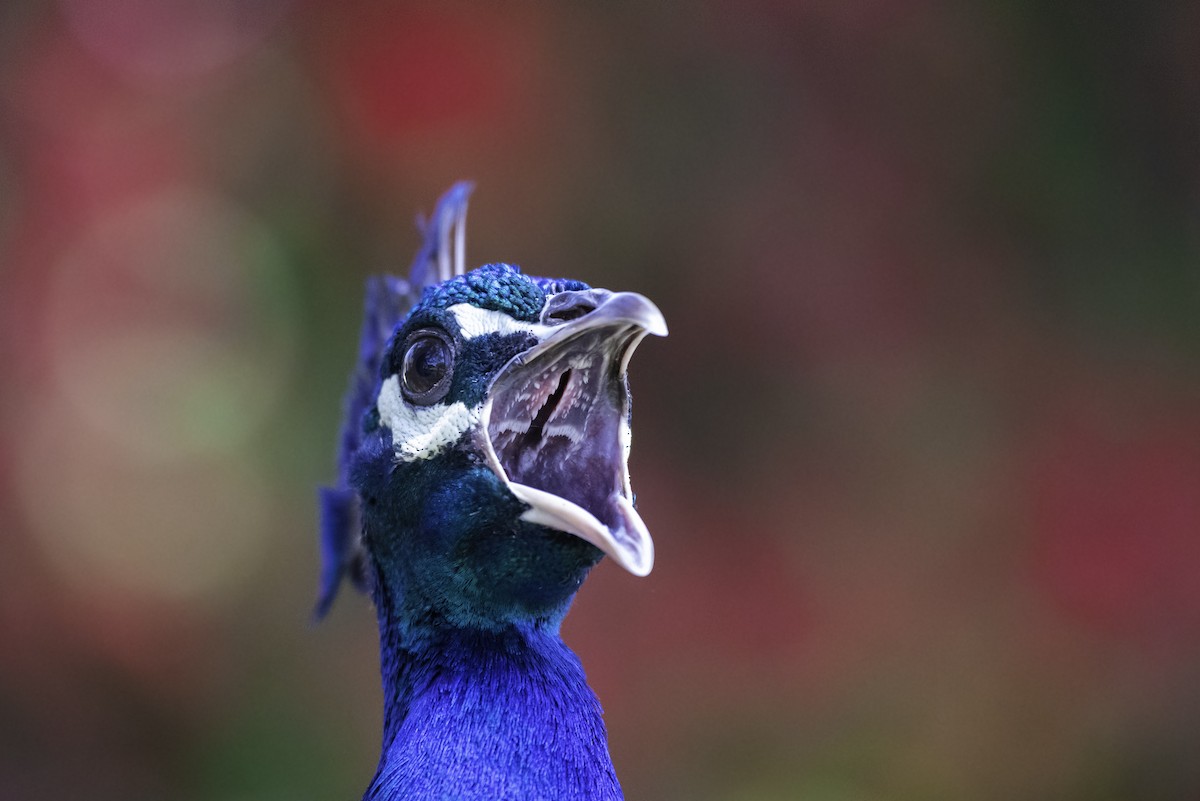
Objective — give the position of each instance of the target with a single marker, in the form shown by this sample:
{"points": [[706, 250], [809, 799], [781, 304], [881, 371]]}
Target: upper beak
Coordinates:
{"points": [[557, 422]]}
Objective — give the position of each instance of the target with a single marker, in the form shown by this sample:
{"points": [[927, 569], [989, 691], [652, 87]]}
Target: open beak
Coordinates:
{"points": [[556, 422]]}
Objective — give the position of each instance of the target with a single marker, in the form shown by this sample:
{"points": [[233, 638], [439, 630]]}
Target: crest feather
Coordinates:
{"points": [[388, 300]]}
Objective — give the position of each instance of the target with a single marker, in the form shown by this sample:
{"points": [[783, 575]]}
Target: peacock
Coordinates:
{"points": [[483, 472]]}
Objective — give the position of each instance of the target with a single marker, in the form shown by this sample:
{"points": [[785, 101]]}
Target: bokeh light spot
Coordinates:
{"points": [[171, 326], [188, 531], [165, 41]]}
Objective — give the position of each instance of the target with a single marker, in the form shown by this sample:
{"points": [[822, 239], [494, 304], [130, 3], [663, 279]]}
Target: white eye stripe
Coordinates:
{"points": [[421, 432], [474, 322]]}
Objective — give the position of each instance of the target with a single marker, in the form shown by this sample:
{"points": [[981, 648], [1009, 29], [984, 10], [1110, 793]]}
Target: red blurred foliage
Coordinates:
{"points": [[93, 140], [400, 74], [1116, 521], [89, 143]]}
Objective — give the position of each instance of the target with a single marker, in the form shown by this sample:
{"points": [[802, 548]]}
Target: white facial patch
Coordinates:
{"points": [[475, 322], [421, 432]]}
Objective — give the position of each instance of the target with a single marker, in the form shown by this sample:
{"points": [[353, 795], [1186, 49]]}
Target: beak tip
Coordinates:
{"points": [[636, 551], [633, 563], [652, 319], [641, 571], [631, 307]]}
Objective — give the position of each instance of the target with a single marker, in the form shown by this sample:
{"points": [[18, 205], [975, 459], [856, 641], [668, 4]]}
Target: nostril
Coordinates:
{"points": [[566, 306], [571, 312]]}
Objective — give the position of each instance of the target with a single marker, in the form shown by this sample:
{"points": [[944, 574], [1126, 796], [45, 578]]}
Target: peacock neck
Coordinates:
{"points": [[503, 713]]}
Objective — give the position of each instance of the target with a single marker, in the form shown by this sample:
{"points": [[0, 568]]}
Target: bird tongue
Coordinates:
{"points": [[557, 423]]}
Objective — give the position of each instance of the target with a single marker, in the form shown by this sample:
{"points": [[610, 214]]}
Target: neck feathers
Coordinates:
{"points": [[489, 715]]}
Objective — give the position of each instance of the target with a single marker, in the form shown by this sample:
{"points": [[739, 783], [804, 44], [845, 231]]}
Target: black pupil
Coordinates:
{"points": [[425, 364]]}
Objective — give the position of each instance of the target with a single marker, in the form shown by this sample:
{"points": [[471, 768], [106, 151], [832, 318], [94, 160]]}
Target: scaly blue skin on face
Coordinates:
{"points": [[471, 582]]}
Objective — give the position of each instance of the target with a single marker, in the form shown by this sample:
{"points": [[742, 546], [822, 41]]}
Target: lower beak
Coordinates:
{"points": [[556, 427]]}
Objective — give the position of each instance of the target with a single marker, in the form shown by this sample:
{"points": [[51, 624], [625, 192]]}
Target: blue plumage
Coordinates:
{"points": [[483, 473], [387, 301], [462, 742]]}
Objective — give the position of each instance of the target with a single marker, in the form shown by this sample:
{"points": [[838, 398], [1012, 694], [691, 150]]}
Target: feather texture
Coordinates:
{"points": [[472, 530], [388, 299]]}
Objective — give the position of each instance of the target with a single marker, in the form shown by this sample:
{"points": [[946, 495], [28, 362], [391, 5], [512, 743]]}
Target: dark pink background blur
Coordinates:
{"points": [[921, 455]]}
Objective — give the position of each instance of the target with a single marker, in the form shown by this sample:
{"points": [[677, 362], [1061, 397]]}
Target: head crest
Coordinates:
{"points": [[442, 256]]}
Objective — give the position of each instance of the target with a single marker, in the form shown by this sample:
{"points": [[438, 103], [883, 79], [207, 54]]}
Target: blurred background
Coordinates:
{"points": [[921, 455]]}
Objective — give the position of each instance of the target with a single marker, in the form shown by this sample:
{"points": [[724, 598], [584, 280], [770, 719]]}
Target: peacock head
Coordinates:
{"points": [[491, 468]]}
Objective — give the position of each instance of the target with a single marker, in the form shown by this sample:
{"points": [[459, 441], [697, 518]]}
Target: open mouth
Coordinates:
{"points": [[557, 428]]}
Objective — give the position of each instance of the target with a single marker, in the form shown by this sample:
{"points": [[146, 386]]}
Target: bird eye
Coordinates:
{"points": [[427, 367]]}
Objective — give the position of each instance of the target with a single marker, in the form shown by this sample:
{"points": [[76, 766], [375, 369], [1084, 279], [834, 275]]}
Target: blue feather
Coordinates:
{"points": [[482, 474], [388, 299], [464, 739]]}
